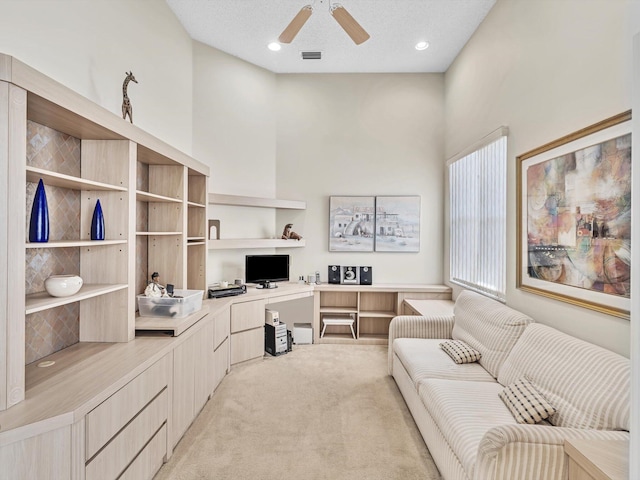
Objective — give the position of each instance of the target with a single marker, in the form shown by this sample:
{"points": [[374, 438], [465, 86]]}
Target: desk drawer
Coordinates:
{"points": [[247, 345], [247, 315], [104, 421], [145, 466], [126, 445]]}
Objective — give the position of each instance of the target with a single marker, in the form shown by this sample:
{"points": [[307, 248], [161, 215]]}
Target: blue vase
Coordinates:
{"points": [[39, 221], [97, 223]]}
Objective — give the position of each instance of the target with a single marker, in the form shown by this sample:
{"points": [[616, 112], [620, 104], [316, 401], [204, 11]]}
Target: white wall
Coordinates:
{"points": [[89, 45], [361, 134], [234, 132], [544, 69]]}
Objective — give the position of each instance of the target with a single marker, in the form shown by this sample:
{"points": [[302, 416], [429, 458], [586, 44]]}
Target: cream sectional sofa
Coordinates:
{"points": [[468, 429]]}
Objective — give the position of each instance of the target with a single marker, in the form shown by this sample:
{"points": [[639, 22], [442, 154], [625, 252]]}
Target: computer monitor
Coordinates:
{"points": [[265, 270]]}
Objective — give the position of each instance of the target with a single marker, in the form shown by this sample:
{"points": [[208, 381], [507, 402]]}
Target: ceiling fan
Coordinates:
{"points": [[342, 16]]}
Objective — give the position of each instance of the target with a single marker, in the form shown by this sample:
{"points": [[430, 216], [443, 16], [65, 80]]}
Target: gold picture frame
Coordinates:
{"points": [[573, 203]]}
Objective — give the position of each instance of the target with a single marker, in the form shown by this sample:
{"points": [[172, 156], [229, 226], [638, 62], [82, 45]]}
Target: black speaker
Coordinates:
{"points": [[334, 274], [366, 275]]}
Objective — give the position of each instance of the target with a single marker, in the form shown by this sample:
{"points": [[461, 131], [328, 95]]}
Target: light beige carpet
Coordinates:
{"points": [[318, 412]]}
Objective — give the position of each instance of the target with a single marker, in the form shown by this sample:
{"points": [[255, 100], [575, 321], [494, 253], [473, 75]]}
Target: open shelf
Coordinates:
{"points": [[242, 201], [152, 197], [40, 301], [340, 310], [74, 243], [159, 234], [377, 314], [234, 243], [196, 205], [54, 179]]}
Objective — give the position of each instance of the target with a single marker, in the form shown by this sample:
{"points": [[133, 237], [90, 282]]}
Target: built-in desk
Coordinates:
{"points": [[103, 408], [427, 307]]}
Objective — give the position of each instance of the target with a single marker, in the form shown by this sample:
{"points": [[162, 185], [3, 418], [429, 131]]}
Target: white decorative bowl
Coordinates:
{"points": [[62, 285]]}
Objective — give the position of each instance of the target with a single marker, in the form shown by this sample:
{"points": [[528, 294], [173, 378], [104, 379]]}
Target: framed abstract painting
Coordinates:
{"points": [[574, 218]]}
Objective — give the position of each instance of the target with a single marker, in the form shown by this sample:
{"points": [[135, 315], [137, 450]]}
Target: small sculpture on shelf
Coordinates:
{"points": [[290, 234], [127, 109], [154, 288]]}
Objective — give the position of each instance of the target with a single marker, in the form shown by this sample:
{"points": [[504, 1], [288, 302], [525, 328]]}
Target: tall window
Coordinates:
{"points": [[477, 200]]}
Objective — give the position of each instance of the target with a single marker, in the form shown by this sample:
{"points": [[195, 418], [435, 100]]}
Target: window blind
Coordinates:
{"points": [[477, 200]]}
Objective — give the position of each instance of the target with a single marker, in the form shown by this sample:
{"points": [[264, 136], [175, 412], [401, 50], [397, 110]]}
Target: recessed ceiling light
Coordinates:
{"points": [[422, 45], [274, 46]]}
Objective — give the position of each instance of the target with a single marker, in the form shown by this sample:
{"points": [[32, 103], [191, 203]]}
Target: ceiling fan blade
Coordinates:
{"points": [[349, 24], [289, 33]]}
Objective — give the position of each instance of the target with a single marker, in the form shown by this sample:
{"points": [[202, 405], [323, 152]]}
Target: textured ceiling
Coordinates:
{"points": [[244, 28]]}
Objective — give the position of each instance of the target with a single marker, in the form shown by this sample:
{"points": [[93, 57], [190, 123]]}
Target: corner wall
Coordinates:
{"points": [[234, 132], [361, 134], [544, 69]]}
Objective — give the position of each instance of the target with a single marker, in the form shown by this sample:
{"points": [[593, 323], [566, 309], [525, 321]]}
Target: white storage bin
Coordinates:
{"points": [[171, 307], [302, 333]]}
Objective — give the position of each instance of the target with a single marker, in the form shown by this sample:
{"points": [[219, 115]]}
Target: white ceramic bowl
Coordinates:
{"points": [[62, 285]]}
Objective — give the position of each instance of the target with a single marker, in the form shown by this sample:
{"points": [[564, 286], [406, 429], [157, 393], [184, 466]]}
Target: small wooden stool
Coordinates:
{"points": [[337, 321]]}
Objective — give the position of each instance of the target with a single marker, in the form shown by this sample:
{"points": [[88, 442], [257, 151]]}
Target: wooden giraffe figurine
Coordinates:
{"points": [[126, 104]]}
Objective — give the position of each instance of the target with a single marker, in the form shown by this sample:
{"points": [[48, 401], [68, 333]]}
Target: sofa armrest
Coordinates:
{"points": [[418, 326], [529, 452]]}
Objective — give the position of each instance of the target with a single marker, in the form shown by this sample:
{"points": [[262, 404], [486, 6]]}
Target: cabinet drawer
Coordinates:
{"points": [[221, 327], [220, 363], [247, 345], [247, 315], [145, 466], [104, 421], [124, 447]]}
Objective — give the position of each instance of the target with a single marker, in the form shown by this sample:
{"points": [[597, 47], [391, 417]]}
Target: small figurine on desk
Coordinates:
{"points": [[290, 234], [154, 289]]}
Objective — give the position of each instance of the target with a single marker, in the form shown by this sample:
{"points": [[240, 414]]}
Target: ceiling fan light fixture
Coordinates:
{"points": [[274, 46], [422, 45], [291, 30], [349, 24]]}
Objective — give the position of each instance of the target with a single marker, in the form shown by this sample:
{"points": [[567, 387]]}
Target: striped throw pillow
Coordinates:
{"points": [[460, 352], [525, 402]]}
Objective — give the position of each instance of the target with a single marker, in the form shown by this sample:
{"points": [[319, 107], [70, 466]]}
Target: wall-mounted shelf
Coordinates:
{"points": [[238, 243], [242, 201]]}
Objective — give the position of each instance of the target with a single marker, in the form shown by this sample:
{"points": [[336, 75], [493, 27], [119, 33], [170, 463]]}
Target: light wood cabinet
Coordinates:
{"points": [[193, 364], [45, 457], [372, 307], [247, 330], [221, 342], [119, 429]]}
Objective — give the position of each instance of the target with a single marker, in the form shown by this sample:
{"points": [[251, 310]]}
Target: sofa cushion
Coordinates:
{"points": [[525, 402], [460, 352], [423, 358], [487, 326], [588, 385], [464, 411]]}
